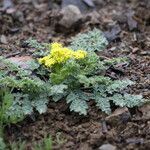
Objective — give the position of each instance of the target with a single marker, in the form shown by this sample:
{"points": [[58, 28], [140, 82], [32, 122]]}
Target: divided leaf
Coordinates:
{"points": [[58, 92], [40, 104], [78, 102], [127, 100], [91, 41], [101, 98], [58, 89], [119, 85], [103, 103]]}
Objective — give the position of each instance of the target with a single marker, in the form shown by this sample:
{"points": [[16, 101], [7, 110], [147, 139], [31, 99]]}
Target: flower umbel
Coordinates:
{"points": [[79, 54], [60, 54]]}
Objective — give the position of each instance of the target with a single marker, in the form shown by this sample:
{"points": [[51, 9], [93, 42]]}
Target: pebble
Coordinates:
{"points": [[3, 39], [107, 147], [119, 116], [83, 5]]}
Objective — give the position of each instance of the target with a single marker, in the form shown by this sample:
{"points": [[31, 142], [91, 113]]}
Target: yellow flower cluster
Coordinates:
{"points": [[60, 54]]}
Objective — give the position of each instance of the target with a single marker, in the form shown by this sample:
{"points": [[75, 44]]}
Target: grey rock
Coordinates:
{"points": [[83, 5], [119, 116], [113, 34], [132, 24], [145, 110], [70, 16], [3, 39], [135, 141], [7, 4], [107, 147]]}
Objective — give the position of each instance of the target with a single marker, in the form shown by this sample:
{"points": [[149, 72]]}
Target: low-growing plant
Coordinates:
{"points": [[28, 91], [6, 101], [2, 144], [16, 146], [46, 144], [75, 73], [81, 79], [92, 41]]}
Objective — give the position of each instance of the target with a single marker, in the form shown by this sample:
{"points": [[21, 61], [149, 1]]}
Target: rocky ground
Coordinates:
{"points": [[126, 25]]}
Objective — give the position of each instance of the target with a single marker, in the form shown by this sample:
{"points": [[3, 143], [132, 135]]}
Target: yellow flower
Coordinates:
{"points": [[79, 54], [50, 62], [56, 45], [60, 54]]}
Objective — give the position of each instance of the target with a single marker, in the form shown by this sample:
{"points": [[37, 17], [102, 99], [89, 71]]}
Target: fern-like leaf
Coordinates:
{"points": [[101, 99], [78, 102], [127, 100], [133, 100], [103, 103], [119, 85], [91, 41], [40, 104], [118, 100]]}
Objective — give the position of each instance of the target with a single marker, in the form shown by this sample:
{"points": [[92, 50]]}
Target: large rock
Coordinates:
{"points": [[71, 16]]}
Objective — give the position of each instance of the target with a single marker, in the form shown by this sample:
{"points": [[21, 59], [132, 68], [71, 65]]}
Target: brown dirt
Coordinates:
{"points": [[90, 132]]}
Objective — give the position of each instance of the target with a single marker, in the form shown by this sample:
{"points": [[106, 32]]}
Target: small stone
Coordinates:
{"points": [[135, 141], [10, 10], [132, 24], [71, 15], [107, 147], [83, 5], [119, 116], [93, 17], [7, 4], [84, 146], [113, 34], [3, 39], [145, 110], [69, 144]]}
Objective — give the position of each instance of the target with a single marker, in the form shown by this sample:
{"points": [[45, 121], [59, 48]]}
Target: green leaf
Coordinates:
{"points": [[101, 99], [58, 89], [57, 97], [33, 65], [133, 100], [118, 99], [34, 44], [103, 103], [91, 41], [40, 104], [78, 102], [2, 144], [58, 92], [7, 100], [127, 100], [91, 81], [115, 61], [119, 85], [21, 105]]}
